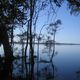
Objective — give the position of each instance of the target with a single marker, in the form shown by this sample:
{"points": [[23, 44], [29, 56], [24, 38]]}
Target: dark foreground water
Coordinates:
{"points": [[64, 66]]}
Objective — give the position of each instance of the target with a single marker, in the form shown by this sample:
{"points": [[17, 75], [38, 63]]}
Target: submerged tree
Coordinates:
{"points": [[53, 29]]}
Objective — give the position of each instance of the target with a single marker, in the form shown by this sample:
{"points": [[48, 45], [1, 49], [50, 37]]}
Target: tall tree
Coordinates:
{"points": [[11, 13]]}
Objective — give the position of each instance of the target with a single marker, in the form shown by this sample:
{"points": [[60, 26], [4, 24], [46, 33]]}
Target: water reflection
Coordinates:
{"points": [[6, 69], [47, 72], [64, 66], [18, 69]]}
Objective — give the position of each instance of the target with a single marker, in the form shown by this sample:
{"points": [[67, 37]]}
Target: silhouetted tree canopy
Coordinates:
{"points": [[12, 11], [73, 5]]}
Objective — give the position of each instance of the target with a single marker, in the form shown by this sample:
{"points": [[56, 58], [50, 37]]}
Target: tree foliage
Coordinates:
{"points": [[12, 11], [74, 6]]}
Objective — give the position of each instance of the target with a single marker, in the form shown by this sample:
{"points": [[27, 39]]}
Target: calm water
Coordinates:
{"points": [[65, 65], [68, 62]]}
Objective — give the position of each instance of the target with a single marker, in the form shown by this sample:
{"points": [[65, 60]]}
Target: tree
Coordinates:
{"points": [[52, 29], [11, 13], [73, 5]]}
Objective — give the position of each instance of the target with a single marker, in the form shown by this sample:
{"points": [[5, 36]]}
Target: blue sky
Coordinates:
{"points": [[70, 28]]}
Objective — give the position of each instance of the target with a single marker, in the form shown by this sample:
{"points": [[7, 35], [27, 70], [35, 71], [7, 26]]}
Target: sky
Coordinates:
{"points": [[69, 30]]}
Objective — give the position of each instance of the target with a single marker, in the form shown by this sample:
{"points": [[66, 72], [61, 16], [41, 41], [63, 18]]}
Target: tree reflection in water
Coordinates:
{"points": [[47, 72], [6, 69], [18, 69]]}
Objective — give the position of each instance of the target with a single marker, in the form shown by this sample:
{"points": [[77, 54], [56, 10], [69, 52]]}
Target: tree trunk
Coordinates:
{"points": [[4, 39]]}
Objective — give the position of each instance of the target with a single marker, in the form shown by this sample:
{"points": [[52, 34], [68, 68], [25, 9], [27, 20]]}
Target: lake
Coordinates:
{"points": [[65, 64], [68, 62]]}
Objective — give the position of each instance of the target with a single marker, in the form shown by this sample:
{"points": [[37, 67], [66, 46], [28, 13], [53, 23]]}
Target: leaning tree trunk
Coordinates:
{"points": [[4, 39]]}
